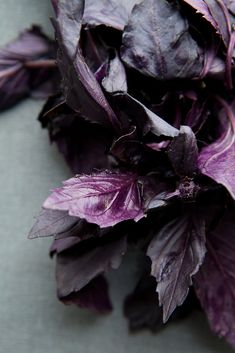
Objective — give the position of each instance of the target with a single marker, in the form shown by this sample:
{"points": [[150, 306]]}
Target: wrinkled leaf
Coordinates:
{"points": [[157, 42], [103, 198]]}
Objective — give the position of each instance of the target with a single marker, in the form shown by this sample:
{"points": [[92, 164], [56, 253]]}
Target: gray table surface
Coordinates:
{"points": [[31, 318]]}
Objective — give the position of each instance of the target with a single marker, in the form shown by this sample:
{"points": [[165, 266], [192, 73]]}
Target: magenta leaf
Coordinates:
{"points": [[177, 251], [103, 198], [215, 282], [217, 159], [157, 42]]}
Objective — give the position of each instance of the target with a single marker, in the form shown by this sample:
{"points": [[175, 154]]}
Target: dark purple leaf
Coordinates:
{"points": [[229, 61], [115, 81], [141, 307], [61, 244], [144, 118], [84, 145], [95, 51], [217, 69], [177, 252], [217, 159], [94, 296], [216, 13], [103, 198], [197, 115], [26, 64], [215, 282], [183, 152], [111, 13], [81, 89], [231, 6], [157, 42], [156, 193], [52, 222], [74, 271], [201, 7]]}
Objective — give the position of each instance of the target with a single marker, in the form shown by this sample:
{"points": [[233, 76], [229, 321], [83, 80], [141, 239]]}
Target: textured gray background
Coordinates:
{"points": [[31, 319]]}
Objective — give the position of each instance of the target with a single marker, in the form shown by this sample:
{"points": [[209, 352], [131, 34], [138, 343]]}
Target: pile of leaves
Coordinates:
{"points": [[145, 117]]}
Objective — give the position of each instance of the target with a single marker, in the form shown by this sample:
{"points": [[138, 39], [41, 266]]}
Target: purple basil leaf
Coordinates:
{"points": [[217, 159], [158, 146], [215, 282], [216, 13], [115, 81], [201, 7], [111, 13], [62, 244], [231, 6], [94, 296], [157, 42], [183, 152], [52, 222], [81, 89], [26, 64], [74, 270], [141, 307], [103, 198], [177, 252], [95, 52], [156, 193], [144, 118], [217, 69], [84, 145], [197, 115]]}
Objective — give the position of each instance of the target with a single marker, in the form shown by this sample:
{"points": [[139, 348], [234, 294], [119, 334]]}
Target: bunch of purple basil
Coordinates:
{"points": [[143, 110]]}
